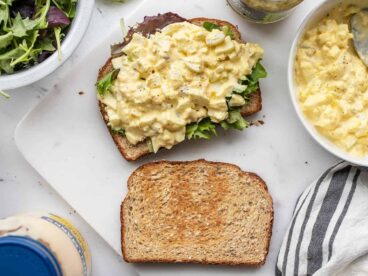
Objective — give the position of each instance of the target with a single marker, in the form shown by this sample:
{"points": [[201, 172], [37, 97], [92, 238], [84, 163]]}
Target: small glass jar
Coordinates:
{"points": [[264, 11], [42, 244]]}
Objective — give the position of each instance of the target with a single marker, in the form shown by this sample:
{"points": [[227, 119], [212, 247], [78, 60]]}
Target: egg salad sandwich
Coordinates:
{"points": [[173, 79]]}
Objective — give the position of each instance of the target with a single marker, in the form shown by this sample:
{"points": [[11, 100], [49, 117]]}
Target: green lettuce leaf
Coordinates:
{"points": [[209, 26], [251, 82], [104, 85], [235, 120], [202, 129], [258, 72]]}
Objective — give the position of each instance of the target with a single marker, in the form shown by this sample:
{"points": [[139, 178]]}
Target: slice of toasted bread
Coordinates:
{"points": [[150, 25], [196, 212]]}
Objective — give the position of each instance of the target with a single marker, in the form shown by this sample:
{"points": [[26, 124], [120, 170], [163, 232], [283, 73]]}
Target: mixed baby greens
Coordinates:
{"points": [[205, 128], [31, 30]]}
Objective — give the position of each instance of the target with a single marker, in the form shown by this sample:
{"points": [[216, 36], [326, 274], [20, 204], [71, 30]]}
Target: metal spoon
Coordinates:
{"points": [[359, 27]]}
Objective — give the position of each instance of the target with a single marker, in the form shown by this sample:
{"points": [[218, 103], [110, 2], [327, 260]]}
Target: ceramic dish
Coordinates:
{"points": [[74, 36], [318, 13]]}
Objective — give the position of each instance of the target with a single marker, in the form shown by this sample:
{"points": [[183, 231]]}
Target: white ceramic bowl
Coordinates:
{"points": [[74, 36], [315, 15]]}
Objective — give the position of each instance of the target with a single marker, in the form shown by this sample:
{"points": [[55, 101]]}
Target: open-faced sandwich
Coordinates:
{"points": [[177, 78]]}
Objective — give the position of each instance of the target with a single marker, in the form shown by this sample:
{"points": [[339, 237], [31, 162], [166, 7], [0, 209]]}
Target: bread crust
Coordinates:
{"points": [[257, 179], [133, 152]]}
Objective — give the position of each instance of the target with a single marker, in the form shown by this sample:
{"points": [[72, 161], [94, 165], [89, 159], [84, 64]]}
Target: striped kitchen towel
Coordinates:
{"points": [[328, 233]]}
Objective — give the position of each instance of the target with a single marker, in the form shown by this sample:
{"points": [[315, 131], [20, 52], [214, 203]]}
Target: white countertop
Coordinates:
{"points": [[23, 189]]}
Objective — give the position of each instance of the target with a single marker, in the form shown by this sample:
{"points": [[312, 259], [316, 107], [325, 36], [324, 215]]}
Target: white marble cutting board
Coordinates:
{"points": [[65, 140]]}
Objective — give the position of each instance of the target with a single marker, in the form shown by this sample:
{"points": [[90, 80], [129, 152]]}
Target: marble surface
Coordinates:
{"points": [[22, 189]]}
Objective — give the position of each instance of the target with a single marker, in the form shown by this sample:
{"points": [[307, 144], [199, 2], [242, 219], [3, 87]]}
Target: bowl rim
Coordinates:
{"points": [[314, 14], [77, 30]]}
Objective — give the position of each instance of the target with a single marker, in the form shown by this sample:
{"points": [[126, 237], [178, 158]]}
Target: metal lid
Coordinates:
{"points": [[23, 256]]}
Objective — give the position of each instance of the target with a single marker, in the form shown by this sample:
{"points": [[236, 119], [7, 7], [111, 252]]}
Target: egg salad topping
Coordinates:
{"points": [[333, 82], [180, 75]]}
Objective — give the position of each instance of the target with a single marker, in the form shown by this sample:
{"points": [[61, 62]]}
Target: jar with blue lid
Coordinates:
{"points": [[42, 244]]}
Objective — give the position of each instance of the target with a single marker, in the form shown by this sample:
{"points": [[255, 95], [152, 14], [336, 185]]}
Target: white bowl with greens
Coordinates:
{"points": [[37, 36]]}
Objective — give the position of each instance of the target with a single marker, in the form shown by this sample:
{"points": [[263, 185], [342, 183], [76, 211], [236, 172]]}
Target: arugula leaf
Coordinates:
{"points": [[202, 129], [5, 40], [45, 44], [27, 50], [104, 85], [12, 54], [18, 28]]}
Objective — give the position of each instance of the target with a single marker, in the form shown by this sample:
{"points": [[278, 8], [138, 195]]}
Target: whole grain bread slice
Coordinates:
{"points": [[196, 212], [150, 25]]}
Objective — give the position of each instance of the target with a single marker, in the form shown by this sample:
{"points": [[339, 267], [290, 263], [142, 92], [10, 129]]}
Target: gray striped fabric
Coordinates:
{"points": [[329, 227]]}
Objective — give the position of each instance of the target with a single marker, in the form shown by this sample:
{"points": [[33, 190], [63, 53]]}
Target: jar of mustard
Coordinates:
{"points": [[42, 244], [264, 11]]}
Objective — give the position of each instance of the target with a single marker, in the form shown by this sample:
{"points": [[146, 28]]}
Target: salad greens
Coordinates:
{"points": [[31, 30], [202, 129], [104, 84], [251, 82], [209, 26]]}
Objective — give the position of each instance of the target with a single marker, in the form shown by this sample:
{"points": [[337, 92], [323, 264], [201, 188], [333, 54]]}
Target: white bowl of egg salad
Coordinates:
{"points": [[328, 82]]}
